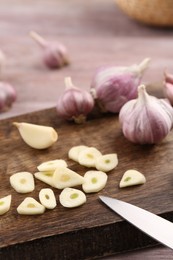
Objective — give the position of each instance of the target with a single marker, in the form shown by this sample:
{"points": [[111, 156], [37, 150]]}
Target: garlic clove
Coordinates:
{"points": [[22, 182], [147, 119], [88, 156], [5, 204], [106, 162], [47, 198], [46, 177], [30, 206], [64, 177], [51, 165], [95, 181], [75, 151], [37, 136], [132, 177], [55, 54], [113, 86], [71, 198], [74, 104], [168, 86]]}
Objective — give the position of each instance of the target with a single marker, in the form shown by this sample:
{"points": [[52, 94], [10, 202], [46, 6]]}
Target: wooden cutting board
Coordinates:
{"points": [[91, 230]]}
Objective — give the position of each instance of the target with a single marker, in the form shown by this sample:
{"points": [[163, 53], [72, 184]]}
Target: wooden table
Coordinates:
{"points": [[95, 33]]}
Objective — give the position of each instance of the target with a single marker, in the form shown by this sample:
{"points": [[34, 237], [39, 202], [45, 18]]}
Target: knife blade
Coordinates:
{"points": [[155, 226]]}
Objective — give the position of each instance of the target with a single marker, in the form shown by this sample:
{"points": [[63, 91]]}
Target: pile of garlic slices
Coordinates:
{"points": [[57, 174]]}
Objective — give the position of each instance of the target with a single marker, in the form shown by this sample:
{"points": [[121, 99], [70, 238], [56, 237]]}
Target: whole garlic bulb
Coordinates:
{"points": [[54, 53], [7, 96], [112, 87], [74, 104], [147, 119], [168, 87]]}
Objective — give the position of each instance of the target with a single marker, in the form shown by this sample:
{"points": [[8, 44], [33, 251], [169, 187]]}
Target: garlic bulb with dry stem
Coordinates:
{"points": [[113, 86], [54, 53], [7, 96], [147, 119], [74, 103], [168, 86]]}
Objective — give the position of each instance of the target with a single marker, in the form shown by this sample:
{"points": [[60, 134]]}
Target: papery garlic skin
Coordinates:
{"points": [[74, 104], [112, 86], [147, 119], [168, 87], [55, 54]]}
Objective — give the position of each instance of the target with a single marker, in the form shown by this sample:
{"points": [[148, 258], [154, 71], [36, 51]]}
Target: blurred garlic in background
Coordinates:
{"points": [[54, 53], [168, 86]]}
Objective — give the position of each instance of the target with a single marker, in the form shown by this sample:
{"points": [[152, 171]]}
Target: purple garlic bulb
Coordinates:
{"points": [[74, 104], [147, 119], [168, 87], [7, 96], [54, 54], [112, 87]]}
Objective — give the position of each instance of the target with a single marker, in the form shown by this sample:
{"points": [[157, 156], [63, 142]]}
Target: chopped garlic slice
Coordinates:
{"points": [[5, 204], [71, 198], [51, 165], [22, 182], [30, 206], [106, 162], [47, 198], [94, 181], [88, 156], [64, 177], [46, 177], [75, 151], [132, 177]]}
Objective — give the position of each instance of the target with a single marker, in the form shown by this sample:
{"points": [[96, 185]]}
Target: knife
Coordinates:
{"points": [[156, 227]]}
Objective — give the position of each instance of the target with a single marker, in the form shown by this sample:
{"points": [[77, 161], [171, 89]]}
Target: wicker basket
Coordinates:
{"points": [[151, 12]]}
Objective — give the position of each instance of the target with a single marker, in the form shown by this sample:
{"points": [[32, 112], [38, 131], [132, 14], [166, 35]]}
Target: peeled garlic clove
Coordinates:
{"points": [[47, 198], [30, 206], [51, 165], [46, 177], [71, 198], [22, 182], [75, 151], [64, 177], [88, 156], [132, 177], [147, 119], [5, 204], [74, 104], [54, 54], [94, 181], [37, 136], [106, 162], [168, 87], [113, 86]]}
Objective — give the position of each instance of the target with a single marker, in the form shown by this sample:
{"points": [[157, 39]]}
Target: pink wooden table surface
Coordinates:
{"points": [[95, 33]]}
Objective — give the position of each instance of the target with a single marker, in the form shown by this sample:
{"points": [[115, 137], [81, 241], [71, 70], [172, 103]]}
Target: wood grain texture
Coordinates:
{"points": [[95, 33], [92, 224]]}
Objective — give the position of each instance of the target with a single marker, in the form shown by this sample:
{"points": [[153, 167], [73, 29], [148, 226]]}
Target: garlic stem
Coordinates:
{"points": [[40, 40], [142, 94], [68, 82], [143, 65]]}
